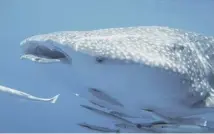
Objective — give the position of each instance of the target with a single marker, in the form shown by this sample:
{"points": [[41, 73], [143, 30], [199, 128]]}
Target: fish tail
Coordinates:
{"points": [[54, 99]]}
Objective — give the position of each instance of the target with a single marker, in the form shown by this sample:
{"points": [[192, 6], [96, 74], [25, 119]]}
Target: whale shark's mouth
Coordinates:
{"points": [[44, 52]]}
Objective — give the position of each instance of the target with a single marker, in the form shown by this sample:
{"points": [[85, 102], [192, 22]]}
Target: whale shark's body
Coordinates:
{"points": [[147, 65]]}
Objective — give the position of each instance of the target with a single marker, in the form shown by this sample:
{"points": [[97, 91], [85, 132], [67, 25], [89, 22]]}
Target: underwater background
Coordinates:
{"points": [[24, 18]]}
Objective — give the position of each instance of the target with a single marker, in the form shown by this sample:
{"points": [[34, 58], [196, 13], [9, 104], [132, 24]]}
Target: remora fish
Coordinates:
{"points": [[106, 114], [177, 120], [98, 128], [179, 128], [119, 119], [183, 60], [26, 95], [103, 96], [114, 109], [182, 125], [141, 129]]}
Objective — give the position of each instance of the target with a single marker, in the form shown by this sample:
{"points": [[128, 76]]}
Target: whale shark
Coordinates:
{"points": [[143, 66]]}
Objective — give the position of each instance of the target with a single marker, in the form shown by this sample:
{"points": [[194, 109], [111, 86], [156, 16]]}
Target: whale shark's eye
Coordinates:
{"points": [[99, 59]]}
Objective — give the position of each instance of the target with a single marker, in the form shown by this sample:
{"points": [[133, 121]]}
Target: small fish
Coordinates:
{"points": [[106, 114], [150, 124], [158, 115], [93, 102], [118, 111], [125, 126], [104, 96], [120, 119], [178, 120], [122, 114], [26, 95], [179, 128], [98, 128], [162, 126], [136, 128]]}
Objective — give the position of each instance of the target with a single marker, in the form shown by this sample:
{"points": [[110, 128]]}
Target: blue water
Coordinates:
{"points": [[24, 18]]}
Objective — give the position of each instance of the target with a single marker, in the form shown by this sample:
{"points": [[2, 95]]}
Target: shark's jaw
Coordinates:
{"points": [[44, 52]]}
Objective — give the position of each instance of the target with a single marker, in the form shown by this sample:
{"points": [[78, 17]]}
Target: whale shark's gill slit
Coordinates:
{"points": [[44, 53]]}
